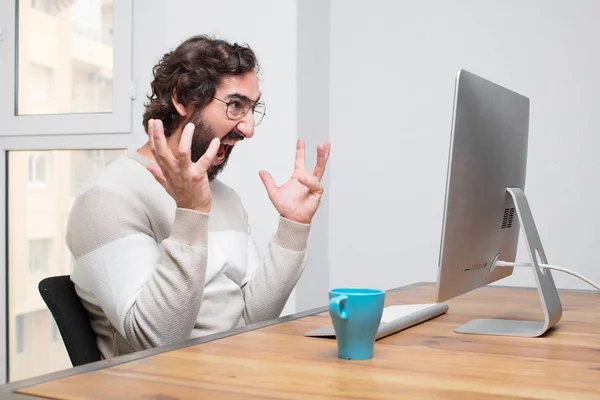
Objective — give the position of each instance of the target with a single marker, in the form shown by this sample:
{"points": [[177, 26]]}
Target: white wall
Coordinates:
{"points": [[393, 66], [313, 124]]}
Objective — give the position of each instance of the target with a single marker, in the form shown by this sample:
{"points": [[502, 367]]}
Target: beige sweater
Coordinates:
{"points": [[152, 274]]}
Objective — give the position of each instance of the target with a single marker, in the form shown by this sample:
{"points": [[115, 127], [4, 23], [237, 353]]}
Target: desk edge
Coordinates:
{"points": [[11, 388]]}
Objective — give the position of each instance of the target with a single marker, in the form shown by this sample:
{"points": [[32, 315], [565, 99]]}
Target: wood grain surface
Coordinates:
{"points": [[427, 361]]}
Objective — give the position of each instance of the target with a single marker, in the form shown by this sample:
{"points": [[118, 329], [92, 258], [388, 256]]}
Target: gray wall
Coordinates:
{"points": [[313, 124], [377, 79], [393, 65]]}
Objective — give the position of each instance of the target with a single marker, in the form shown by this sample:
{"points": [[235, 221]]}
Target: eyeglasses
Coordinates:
{"points": [[238, 108]]}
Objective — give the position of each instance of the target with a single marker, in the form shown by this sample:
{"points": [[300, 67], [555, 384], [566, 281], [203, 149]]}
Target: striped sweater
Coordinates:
{"points": [[150, 273]]}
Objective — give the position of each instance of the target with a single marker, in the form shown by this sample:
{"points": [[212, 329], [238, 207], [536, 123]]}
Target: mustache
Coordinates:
{"points": [[233, 135]]}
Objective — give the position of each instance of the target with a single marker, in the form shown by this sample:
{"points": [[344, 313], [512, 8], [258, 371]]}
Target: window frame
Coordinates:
{"points": [[76, 131], [117, 121]]}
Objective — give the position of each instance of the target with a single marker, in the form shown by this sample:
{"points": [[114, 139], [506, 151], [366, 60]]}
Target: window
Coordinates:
{"points": [[92, 88], [37, 249], [63, 59], [41, 94], [51, 52], [39, 168], [95, 154], [20, 333], [55, 333], [66, 84], [40, 254], [46, 6]]}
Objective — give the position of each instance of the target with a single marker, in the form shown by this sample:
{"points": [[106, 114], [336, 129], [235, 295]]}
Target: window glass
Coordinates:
{"points": [[37, 220], [65, 57]]}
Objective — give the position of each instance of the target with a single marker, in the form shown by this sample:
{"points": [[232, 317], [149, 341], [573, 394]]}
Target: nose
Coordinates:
{"points": [[246, 125]]}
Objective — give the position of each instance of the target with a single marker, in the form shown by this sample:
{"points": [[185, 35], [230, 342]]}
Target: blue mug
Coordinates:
{"points": [[356, 313]]}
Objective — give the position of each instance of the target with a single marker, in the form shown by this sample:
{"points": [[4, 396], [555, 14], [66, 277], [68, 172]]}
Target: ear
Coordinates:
{"points": [[180, 107]]}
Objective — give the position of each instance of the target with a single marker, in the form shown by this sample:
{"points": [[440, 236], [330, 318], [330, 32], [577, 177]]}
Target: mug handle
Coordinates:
{"points": [[337, 307]]}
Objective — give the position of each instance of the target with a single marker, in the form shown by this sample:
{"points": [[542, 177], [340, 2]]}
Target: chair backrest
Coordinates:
{"points": [[71, 317]]}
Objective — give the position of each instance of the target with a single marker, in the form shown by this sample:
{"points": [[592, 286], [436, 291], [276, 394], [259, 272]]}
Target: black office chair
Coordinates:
{"points": [[71, 317]]}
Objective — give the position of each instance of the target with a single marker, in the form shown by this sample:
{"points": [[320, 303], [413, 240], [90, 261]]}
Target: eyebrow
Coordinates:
{"points": [[241, 96]]}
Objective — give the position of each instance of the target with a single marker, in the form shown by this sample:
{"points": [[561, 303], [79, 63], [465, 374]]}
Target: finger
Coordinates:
{"points": [[184, 151], [207, 158], [163, 153], [299, 163], [312, 183], [157, 173], [322, 157], [151, 136], [269, 183]]}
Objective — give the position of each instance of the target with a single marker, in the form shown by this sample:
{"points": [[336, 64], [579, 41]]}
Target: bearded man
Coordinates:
{"points": [[163, 251]]}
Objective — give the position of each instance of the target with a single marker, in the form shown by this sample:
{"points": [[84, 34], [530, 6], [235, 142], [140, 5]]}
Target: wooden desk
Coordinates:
{"points": [[425, 361]]}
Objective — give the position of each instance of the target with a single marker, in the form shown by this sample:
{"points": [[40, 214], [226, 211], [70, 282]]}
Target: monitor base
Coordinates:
{"points": [[549, 298], [502, 327]]}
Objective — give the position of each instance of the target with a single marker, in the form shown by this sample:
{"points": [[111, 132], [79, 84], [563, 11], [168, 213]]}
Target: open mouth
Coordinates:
{"points": [[224, 150]]}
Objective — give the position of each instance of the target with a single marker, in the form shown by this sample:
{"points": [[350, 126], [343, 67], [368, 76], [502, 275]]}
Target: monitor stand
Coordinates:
{"points": [[545, 285]]}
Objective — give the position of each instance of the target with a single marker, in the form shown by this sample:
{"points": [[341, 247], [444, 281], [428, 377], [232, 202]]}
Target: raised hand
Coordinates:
{"points": [[298, 199], [187, 182]]}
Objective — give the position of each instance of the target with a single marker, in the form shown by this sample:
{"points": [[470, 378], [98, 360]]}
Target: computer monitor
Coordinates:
{"points": [[485, 204]]}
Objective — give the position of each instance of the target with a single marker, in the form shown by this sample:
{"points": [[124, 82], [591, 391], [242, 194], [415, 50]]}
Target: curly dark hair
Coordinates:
{"points": [[192, 72]]}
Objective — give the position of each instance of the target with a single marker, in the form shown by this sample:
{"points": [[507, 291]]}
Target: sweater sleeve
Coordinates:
{"points": [[150, 292], [271, 281]]}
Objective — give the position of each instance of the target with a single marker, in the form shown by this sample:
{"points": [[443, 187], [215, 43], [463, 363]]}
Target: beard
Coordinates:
{"points": [[203, 135]]}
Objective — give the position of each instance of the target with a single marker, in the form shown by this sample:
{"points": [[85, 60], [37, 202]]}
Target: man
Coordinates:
{"points": [[163, 249]]}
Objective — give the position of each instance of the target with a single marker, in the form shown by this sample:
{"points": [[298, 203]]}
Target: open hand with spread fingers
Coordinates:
{"points": [[298, 199], [186, 181]]}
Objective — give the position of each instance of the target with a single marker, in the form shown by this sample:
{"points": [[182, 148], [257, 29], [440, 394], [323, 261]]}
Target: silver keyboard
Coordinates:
{"points": [[394, 312], [395, 319]]}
